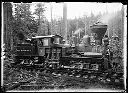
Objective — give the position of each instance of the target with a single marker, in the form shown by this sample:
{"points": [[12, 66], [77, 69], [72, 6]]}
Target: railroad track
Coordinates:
{"points": [[47, 79], [17, 84], [53, 81]]}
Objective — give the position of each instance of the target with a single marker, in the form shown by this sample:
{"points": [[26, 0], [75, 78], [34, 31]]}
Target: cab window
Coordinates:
{"points": [[57, 41], [45, 42]]}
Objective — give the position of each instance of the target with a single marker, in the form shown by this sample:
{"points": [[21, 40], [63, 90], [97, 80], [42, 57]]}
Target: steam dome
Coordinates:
{"points": [[86, 40]]}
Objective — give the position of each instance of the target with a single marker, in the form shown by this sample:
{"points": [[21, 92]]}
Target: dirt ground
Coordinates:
{"points": [[50, 82]]}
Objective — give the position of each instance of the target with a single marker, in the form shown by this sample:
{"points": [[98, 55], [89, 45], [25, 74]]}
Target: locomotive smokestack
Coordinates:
{"points": [[99, 29], [65, 20]]}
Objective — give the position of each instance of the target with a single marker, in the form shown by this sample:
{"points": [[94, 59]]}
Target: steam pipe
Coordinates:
{"points": [[65, 20]]}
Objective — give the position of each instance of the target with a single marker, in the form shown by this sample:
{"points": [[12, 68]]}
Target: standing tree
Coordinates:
{"points": [[24, 21], [48, 27], [39, 12], [8, 21]]}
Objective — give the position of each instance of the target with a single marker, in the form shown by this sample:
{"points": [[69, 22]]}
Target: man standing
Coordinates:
{"points": [[106, 52]]}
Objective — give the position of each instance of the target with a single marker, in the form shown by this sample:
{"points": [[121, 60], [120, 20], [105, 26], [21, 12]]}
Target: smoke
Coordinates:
{"points": [[107, 18], [77, 31]]}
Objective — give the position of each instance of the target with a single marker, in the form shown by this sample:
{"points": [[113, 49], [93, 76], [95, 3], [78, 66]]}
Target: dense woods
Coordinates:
{"points": [[22, 20]]}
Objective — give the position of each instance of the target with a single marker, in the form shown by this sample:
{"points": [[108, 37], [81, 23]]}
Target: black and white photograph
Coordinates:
{"points": [[63, 47]]}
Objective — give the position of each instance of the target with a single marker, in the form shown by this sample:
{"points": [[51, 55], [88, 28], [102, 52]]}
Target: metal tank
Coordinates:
{"points": [[86, 40]]}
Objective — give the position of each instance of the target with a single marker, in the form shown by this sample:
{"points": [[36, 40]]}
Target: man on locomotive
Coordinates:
{"points": [[106, 52]]}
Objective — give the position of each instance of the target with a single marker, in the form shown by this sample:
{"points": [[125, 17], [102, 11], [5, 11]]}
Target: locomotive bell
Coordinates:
{"points": [[98, 29]]}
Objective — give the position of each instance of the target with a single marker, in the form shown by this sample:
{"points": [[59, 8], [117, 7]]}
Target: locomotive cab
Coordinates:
{"points": [[50, 48], [44, 42], [38, 50]]}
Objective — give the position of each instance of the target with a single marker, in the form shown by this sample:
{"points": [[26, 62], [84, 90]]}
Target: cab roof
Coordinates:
{"points": [[48, 36]]}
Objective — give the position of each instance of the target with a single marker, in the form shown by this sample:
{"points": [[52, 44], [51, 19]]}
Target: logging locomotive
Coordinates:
{"points": [[50, 52]]}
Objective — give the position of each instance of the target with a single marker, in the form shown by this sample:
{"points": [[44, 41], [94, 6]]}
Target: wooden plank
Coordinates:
{"points": [[18, 84]]}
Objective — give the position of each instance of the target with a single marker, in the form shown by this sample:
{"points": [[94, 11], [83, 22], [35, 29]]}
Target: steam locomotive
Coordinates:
{"points": [[50, 52]]}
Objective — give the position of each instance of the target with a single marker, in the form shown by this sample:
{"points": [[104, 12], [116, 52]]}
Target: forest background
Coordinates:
{"points": [[21, 24]]}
